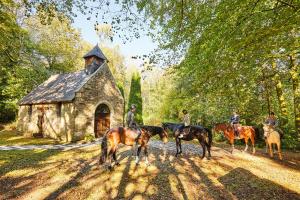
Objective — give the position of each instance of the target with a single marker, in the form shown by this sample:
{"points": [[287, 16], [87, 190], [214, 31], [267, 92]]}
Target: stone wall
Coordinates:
{"points": [[101, 88], [76, 118], [55, 126]]}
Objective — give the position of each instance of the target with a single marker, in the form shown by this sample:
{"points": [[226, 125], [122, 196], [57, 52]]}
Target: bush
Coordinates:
{"points": [[89, 138], [218, 137]]}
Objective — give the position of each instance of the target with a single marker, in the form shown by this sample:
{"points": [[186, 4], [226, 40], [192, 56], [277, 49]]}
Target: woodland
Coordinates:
{"points": [[213, 57]]}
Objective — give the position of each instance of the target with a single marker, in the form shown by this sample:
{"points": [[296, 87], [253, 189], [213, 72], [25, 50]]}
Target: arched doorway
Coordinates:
{"points": [[102, 120]]}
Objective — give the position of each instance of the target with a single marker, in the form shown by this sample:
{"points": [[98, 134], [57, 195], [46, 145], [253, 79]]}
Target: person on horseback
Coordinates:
{"points": [[131, 123], [235, 122], [186, 122], [273, 122]]}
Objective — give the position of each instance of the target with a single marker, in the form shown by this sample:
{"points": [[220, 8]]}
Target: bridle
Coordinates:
{"points": [[268, 130]]}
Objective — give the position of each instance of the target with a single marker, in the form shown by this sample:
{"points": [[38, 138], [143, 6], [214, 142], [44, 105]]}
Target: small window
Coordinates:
{"points": [[30, 112], [58, 109]]}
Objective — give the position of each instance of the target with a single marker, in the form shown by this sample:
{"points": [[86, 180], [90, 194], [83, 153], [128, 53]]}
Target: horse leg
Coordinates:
{"points": [[274, 148], [208, 149], [232, 145], [115, 157], [266, 146], [253, 143], [146, 155], [177, 146], [246, 142], [279, 150], [137, 158], [203, 147], [110, 154], [180, 146], [270, 150]]}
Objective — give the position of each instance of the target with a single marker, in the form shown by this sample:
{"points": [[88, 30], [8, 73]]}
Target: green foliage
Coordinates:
{"points": [[135, 97], [229, 48], [89, 138], [30, 53], [219, 137]]}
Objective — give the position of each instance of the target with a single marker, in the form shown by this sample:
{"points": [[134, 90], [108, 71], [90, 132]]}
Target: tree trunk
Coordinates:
{"points": [[294, 71], [280, 97], [267, 93]]}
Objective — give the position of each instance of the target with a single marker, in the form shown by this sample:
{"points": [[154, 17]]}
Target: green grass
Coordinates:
{"points": [[21, 159], [12, 137]]}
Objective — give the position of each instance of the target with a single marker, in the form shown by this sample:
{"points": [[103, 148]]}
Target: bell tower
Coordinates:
{"points": [[94, 59]]}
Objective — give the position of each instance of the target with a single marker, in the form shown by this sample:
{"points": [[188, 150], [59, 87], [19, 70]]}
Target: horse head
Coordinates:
{"points": [[220, 127], [267, 129], [164, 135]]}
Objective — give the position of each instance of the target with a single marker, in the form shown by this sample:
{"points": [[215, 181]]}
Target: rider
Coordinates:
{"points": [[273, 122], [131, 123], [235, 122], [186, 122]]}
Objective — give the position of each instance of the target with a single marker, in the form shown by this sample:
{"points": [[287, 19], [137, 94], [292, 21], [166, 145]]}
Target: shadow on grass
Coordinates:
{"points": [[245, 185], [12, 137], [186, 177], [20, 160]]}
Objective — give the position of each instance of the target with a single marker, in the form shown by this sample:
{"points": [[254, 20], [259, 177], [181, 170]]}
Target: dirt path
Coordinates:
{"points": [[75, 174]]}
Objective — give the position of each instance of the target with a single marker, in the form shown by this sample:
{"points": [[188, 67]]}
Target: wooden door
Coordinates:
{"points": [[102, 120]]}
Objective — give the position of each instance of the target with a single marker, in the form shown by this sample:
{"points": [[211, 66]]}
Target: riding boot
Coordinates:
{"points": [[236, 133], [137, 138]]}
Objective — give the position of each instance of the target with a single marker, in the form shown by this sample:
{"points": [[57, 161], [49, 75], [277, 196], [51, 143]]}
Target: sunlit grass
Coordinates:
{"points": [[12, 137], [75, 174]]}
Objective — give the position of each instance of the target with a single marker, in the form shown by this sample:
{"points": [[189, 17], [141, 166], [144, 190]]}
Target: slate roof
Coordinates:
{"points": [[58, 88], [96, 51]]}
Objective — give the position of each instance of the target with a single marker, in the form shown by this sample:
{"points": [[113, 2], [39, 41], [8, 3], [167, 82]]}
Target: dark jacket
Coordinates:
{"points": [[130, 120], [271, 121]]}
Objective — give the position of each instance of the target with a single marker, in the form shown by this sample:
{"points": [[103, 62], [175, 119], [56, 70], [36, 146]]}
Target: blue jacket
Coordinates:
{"points": [[235, 119]]}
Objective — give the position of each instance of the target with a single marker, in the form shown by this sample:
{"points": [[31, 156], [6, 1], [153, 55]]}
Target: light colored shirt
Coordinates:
{"points": [[186, 120]]}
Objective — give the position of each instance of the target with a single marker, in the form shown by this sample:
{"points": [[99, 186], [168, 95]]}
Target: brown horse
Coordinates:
{"points": [[245, 132], [116, 136]]}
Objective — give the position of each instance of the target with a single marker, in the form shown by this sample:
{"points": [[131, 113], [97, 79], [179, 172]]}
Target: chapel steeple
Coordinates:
{"points": [[94, 56]]}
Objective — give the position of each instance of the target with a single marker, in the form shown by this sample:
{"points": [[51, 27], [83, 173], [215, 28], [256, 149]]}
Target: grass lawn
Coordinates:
{"points": [[9, 136], [75, 174]]}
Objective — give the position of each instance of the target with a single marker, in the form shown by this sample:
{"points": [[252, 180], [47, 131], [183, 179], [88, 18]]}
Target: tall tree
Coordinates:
{"points": [[135, 96]]}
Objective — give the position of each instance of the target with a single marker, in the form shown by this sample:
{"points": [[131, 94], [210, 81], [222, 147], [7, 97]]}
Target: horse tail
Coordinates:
{"points": [[121, 130], [103, 149], [255, 131], [210, 137]]}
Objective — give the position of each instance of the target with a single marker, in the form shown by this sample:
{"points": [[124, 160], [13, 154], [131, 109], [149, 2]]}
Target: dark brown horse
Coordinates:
{"points": [[116, 136], [203, 135], [245, 132]]}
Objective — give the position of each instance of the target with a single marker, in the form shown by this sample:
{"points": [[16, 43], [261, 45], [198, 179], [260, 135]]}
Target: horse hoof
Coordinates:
{"points": [[117, 164], [110, 168]]}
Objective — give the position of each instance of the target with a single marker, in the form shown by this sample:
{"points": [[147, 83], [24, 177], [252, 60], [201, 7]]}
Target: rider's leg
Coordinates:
{"points": [[138, 136], [236, 133], [181, 132]]}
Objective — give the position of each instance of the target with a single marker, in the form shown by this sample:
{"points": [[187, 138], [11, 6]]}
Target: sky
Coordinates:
{"points": [[141, 46]]}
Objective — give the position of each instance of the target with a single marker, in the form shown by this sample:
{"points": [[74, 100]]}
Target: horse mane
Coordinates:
{"points": [[153, 129], [171, 123], [219, 123]]}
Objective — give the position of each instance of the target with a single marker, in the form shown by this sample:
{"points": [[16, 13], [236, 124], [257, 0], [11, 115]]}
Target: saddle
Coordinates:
{"points": [[186, 130], [236, 129]]}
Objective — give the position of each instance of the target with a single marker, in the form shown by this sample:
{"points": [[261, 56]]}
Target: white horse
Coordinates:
{"points": [[272, 137]]}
